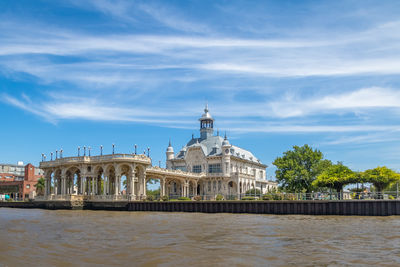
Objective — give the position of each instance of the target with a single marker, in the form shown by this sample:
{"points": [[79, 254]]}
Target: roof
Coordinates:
{"points": [[206, 115], [212, 146]]}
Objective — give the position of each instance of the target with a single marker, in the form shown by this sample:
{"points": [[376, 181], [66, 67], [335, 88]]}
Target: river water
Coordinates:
{"points": [[86, 238]]}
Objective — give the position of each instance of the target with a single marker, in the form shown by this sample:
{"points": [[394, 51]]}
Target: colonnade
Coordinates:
{"points": [[105, 181]]}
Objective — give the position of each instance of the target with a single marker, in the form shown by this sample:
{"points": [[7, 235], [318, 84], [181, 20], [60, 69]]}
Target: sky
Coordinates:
{"points": [[274, 73]]}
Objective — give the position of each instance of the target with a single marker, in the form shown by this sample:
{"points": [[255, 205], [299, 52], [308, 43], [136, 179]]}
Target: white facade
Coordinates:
{"points": [[227, 169]]}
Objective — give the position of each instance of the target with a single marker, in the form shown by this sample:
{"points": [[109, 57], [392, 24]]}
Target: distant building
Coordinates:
{"points": [[18, 181]]}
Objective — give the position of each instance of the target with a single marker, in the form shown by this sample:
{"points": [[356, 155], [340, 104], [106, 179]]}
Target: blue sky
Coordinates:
{"points": [[275, 74]]}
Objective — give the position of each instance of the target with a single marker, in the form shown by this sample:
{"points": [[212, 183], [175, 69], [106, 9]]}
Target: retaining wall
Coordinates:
{"points": [[362, 208]]}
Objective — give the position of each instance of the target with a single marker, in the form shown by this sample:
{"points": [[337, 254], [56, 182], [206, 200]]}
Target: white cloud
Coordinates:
{"points": [[353, 101]]}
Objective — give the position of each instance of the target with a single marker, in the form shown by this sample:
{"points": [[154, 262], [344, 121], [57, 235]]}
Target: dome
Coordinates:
{"points": [[170, 148], [226, 142], [206, 115]]}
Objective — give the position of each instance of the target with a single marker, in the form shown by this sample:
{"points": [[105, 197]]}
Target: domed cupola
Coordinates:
{"points": [[170, 151], [206, 124], [226, 143]]}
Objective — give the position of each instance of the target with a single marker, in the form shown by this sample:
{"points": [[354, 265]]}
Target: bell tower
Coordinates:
{"points": [[206, 124]]}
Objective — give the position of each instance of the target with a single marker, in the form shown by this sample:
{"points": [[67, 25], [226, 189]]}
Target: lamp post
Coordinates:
{"points": [[148, 152], [113, 148], [79, 150], [42, 157], [159, 163], [101, 150], [135, 149], [84, 151], [61, 151], [51, 156], [89, 150], [56, 154]]}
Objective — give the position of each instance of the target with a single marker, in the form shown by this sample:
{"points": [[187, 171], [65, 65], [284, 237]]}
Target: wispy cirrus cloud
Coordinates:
{"points": [[277, 113], [156, 65]]}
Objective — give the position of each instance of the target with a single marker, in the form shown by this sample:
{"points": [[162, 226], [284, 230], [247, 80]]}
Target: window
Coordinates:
{"points": [[196, 168], [28, 186], [214, 168]]}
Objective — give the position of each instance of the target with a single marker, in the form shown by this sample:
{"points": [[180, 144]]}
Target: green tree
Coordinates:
{"points": [[155, 193], [298, 168], [335, 177], [40, 186], [381, 177]]}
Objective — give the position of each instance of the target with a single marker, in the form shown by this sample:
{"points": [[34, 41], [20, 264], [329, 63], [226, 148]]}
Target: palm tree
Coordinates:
{"points": [[40, 186]]}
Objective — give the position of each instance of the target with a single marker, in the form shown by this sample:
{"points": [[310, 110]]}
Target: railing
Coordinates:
{"points": [[315, 196], [95, 159], [109, 197], [175, 172]]}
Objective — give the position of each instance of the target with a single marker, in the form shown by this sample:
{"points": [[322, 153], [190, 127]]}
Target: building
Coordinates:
{"points": [[205, 166], [228, 169], [18, 181]]}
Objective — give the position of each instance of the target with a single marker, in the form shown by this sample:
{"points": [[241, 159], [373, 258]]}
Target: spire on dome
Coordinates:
{"points": [[226, 143], [170, 148]]}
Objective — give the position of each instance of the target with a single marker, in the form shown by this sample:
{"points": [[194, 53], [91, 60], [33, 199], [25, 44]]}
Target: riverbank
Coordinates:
{"points": [[360, 208]]}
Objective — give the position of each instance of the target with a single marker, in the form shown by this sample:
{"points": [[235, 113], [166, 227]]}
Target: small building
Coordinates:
{"points": [[18, 181]]}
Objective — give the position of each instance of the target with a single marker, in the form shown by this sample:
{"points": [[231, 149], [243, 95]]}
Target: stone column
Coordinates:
{"points": [[81, 189], [144, 186], [56, 186], [88, 181], [182, 189], [46, 187], [116, 179], [63, 185], [93, 186], [238, 187], [104, 185], [133, 188], [162, 187]]}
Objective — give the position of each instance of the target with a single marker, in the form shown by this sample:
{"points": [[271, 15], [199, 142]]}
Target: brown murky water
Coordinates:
{"points": [[86, 238]]}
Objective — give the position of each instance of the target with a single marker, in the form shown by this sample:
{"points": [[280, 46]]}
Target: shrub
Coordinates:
{"points": [[150, 198], [268, 196], [391, 197], [278, 196], [197, 198], [248, 198], [219, 197], [253, 191], [164, 198], [184, 198]]}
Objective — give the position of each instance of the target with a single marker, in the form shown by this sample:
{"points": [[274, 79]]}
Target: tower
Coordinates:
{"points": [[206, 124], [169, 155], [226, 157]]}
